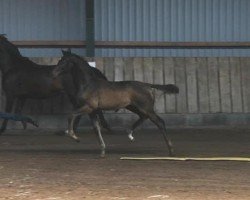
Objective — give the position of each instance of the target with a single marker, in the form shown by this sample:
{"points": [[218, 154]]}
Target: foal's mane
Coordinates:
{"points": [[94, 72], [82, 64], [82, 60]]}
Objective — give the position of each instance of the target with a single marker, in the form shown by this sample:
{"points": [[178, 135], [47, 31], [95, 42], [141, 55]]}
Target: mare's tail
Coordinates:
{"points": [[169, 88], [16, 117]]}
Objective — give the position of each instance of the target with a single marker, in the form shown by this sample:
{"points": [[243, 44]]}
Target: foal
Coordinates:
{"points": [[94, 93]]}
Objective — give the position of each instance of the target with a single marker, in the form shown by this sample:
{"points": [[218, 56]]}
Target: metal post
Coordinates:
{"points": [[90, 32]]}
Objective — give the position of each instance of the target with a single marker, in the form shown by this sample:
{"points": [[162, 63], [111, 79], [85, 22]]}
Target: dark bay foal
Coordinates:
{"points": [[95, 93]]}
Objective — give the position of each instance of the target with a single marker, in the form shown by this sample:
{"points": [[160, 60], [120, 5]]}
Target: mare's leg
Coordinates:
{"points": [[8, 109], [18, 109], [97, 127], [161, 125]]}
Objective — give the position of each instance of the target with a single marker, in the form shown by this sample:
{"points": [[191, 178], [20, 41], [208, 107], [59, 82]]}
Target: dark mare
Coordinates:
{"points": [[23, 79], [95, 93]]}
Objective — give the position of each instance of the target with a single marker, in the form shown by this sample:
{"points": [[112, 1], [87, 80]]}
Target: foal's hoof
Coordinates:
{"points": [[74, 137], [102, 155], [77, 140], [130, 135]]}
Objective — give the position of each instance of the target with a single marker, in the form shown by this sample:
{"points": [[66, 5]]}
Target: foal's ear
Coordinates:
{"points": [[66, 52]]}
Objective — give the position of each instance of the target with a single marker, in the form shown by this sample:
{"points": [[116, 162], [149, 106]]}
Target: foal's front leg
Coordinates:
{"points": [[71, 121], [70, 131], [97, 127]]}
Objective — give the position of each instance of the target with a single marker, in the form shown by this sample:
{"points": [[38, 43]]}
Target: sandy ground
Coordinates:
{"points": [[38, 165]]}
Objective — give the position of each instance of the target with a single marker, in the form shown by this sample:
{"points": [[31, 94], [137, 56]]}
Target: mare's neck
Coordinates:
{"points": [[6, 65], [15, 63], [22, 61]]}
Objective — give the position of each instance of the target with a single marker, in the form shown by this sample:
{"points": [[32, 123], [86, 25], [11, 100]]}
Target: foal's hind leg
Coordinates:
{"points": [[134, 126], [161, 125], [142, 118]]}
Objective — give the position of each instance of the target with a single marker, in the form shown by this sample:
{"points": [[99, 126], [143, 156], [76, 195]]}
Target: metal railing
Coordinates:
{"points": [[130, 44]]}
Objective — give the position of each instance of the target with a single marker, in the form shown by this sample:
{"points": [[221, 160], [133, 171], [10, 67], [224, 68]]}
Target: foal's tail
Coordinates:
{"points": [[169, 88]]}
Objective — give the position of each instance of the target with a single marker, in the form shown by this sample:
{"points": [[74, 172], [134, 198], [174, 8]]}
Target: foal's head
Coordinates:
{"points": [[69, 63], [64, 65]]}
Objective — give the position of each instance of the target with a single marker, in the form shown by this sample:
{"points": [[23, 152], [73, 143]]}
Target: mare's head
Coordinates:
{"points": [[4, 56], [8, 52], [9, 47]]}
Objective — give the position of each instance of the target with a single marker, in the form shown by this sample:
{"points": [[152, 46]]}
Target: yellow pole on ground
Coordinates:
{"points": [[243, 159]]}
